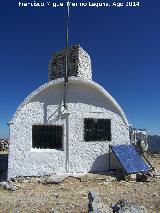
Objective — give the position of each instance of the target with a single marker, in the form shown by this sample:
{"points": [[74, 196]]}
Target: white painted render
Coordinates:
{"points": [[85, 99]]}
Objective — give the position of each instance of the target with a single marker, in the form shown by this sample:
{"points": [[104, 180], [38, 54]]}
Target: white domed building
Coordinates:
{"points": [[58, 130]]}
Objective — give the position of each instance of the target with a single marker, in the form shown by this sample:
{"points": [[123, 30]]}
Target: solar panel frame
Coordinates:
{"points": [[130, 159]]}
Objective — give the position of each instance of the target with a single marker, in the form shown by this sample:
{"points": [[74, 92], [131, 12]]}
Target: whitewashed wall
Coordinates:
{"points": [[84, 99]]}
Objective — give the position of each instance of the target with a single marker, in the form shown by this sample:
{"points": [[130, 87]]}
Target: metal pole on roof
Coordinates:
{"points": [[65, 89], [67, 25], [66, 59]]}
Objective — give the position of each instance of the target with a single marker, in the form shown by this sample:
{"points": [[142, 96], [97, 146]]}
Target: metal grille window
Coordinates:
{"points": [[47, 136], [97, 129]]}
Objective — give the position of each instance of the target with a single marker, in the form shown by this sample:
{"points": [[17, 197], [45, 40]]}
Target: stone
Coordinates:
{"points": [[156, 174], [94, 196], [144, 177], [56, 195], [52, 211], [59, 178], [10, 187], [13, 180], [130, 177], [96, 205], [7, 186], [2, 184], [55, 179], [125, 206], [155, 194]]}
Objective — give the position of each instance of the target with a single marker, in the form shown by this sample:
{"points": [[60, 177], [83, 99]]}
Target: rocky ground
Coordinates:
{"points": [[71, 195]]}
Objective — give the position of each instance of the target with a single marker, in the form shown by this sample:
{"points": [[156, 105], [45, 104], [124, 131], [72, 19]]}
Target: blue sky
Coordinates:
{"points": [[124, 45]]}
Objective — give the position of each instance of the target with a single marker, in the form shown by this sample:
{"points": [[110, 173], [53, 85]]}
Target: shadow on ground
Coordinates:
{"points": [[101, 166]]}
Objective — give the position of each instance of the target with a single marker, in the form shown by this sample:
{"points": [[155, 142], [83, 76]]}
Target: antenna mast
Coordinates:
{"points": [[66, 61]]}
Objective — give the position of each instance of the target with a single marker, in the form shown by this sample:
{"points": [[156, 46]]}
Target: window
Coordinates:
{"points": [[97, 129], [47, 137]]}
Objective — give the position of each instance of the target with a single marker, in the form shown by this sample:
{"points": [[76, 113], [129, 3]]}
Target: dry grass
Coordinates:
{"points": [[71, 195]]}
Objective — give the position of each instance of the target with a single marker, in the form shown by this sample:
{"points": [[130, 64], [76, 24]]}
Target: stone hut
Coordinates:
{"points": [[47, 138]]}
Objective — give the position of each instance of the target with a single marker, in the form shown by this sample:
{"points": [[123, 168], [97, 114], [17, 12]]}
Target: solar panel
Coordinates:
{"points": [[130, 159]]}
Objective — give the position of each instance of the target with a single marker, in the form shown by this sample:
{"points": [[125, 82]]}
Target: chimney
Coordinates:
{"points": [[79, 64]]}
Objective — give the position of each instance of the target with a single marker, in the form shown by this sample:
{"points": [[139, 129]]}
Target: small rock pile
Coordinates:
{"points": [[4, 144]]}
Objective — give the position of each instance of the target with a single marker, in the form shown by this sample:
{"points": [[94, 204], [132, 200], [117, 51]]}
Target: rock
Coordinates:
{"points": [[156, 174], [155, 194], [10, 187], [56, 195], [59, 178], [144, 177], [96, 205], [124, 206], [55, 179], [13, 180], [94, 197], [7, 186], [131, 177], [2, 184], [52, 211]]}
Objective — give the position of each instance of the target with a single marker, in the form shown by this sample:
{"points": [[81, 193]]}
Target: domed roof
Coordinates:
{"points": [[78, 81]]}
